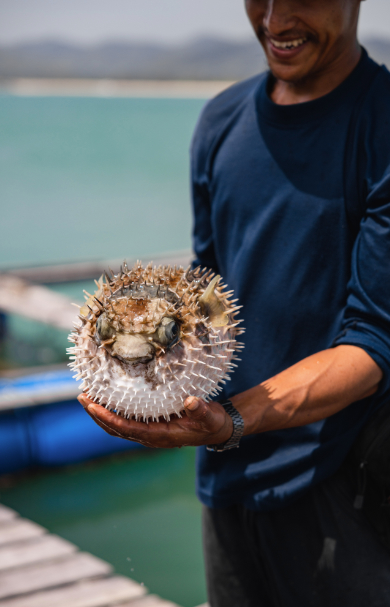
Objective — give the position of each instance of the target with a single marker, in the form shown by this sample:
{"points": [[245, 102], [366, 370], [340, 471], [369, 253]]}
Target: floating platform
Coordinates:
{"points": [[45, 385], [19, 293], [90, 270], [40, 569]]}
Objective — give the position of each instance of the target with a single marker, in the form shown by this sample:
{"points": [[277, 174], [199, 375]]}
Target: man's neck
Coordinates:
{"points": [[318, 84]]}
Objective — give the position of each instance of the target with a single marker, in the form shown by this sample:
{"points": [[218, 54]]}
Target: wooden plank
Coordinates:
{"points": [[6, 514], [48, 575], [93, 593], [151, 600], [42, 548], [18, 296], [38, 569], [19, 529]]}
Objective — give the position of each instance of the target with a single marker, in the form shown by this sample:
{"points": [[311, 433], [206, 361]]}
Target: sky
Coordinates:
{"points": [[93, 21]]}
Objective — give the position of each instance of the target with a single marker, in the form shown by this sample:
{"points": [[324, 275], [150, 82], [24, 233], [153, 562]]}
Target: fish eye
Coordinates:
{"points": [[168, 332], [103, 328], [171, 330]]}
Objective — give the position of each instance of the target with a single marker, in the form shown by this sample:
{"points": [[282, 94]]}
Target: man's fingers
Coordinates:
{"points": [[211, 416], [204, 413], [200, 412], [85, 402], [107, 419], [196, 408], [126, 428], [153, 434], [103, 426], [102, 416]]}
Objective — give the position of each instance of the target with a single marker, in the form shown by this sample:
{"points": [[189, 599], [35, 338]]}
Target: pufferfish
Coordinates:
{"points": [[149, 337]]}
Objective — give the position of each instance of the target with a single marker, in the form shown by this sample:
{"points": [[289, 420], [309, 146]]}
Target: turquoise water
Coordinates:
{"points": [[90, 178]]}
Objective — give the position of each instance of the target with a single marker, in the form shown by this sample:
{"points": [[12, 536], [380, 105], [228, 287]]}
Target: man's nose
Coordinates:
{"points": [[278, 17]]}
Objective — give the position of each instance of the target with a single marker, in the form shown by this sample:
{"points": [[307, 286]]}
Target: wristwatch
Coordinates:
{"points": [[238, 429]]}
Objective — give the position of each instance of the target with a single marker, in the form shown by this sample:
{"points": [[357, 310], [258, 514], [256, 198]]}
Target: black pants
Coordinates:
{"points": [[317, 552]]}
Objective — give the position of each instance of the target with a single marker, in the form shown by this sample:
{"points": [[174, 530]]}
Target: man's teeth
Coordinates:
{"points": [[289, 44]]}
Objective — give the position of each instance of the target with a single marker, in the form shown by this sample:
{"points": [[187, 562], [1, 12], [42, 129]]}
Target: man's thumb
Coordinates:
{"points": [[195, 407]]}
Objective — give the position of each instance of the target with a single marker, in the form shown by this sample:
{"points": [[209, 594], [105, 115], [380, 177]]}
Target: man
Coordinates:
{"points": [[291, 194]]}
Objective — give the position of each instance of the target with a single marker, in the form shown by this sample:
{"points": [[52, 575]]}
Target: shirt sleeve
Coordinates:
{"points": [[366, 319], [202, 234]]}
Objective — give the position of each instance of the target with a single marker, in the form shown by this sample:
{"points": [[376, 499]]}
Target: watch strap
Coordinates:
{"points": [[238, 429]]}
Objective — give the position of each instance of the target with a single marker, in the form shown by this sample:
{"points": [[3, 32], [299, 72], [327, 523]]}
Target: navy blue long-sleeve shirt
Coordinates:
{"points": [[292, 208]]}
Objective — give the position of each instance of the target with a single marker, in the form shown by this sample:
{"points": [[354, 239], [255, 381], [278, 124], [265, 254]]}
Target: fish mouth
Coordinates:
{"points": [[143, 360], [133, 349]]}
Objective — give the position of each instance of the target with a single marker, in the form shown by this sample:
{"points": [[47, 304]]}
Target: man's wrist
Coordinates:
{"points": [[235, 429], [253, 406], [228, 429]]}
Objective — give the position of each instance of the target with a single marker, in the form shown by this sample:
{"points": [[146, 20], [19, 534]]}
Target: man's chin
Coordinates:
{"points": [[293, 74]]}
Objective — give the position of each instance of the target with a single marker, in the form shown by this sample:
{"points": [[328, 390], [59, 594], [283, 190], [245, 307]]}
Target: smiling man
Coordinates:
{"points": [[291, 195]]}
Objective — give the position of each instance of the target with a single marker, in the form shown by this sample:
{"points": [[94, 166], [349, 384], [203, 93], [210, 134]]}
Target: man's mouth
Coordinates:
{"points": [[288, 45]]}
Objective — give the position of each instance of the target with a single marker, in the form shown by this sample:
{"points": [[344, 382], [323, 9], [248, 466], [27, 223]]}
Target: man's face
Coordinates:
{"points": [[303, 37]]}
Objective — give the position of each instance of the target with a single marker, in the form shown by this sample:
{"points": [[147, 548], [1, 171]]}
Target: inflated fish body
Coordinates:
{"points": [[150, 337]]}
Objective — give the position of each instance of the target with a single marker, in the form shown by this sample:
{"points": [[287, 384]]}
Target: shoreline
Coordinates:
{"points": [[108, 88]]}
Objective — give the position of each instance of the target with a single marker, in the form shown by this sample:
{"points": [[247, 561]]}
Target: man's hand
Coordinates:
{"points": [[203, 424]]}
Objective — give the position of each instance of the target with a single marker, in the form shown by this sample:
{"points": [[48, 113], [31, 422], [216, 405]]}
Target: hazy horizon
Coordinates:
{"points": [[91, 22], [163, 43]]}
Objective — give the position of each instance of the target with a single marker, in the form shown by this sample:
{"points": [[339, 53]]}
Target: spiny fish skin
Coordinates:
{"points": [[149, 337]]}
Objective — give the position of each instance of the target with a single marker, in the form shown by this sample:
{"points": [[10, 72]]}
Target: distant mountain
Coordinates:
{"points": [[202, 59]]}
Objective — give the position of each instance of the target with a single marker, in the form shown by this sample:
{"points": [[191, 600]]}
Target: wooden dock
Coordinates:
{"points": [[90, 270], [18, 296], [21, 294], [40, 569]]}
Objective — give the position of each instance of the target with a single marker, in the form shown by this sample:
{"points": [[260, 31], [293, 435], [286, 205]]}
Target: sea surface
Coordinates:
{"points": [[93, 178]]}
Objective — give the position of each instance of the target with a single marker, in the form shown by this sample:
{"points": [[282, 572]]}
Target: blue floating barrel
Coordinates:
{"points": [[52, 434]]}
